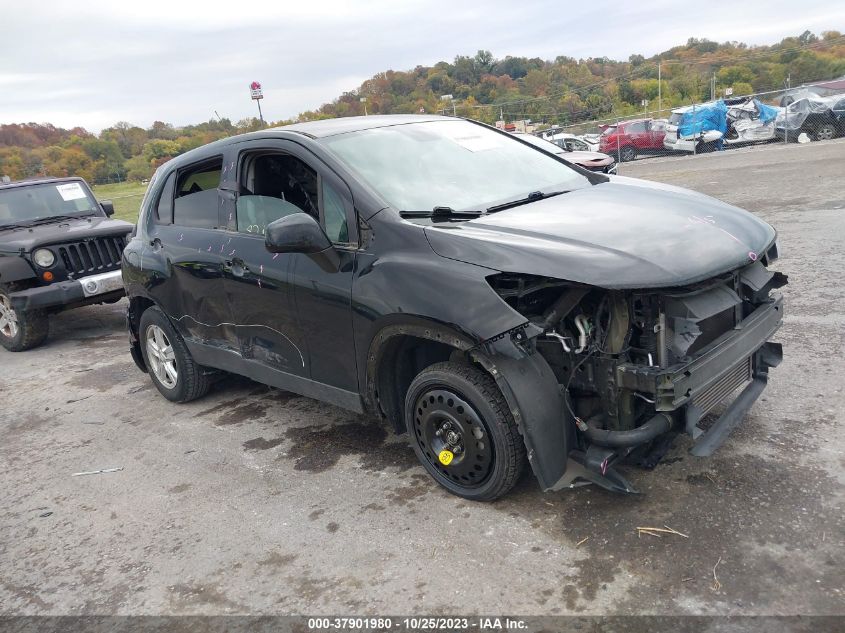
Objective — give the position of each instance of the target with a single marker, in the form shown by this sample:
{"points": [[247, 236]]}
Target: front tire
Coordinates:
{"points": [[171, 367], [463, 432], [20, 331]]}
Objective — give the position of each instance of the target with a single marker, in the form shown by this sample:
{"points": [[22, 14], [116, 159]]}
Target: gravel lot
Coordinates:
{"points": [[254, 500]]}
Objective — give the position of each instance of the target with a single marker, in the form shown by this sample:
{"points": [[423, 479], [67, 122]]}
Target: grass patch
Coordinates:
{"points": [[125, 196]]}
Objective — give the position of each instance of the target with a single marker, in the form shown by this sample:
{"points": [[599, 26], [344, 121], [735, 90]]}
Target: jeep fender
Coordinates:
{"points": [[14, 268]]}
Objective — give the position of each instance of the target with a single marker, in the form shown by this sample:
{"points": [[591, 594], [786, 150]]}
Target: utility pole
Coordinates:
{"points": [[449, 98], [659, 92], [713, 88], [364, 101]]}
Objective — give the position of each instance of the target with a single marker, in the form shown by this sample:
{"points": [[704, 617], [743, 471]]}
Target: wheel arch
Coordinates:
{"points": [[400, 351], [138, 304], [526, 381]]}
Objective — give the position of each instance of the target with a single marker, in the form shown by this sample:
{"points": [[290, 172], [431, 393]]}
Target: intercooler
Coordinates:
{"points": [[723, 387]]}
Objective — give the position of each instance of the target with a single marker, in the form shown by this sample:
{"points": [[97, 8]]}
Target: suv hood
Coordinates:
{"points": [[13, 240], [625, 233]]}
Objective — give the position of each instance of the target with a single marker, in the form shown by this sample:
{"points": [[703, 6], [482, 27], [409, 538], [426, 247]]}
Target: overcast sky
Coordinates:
{"points": [[96, 62]]}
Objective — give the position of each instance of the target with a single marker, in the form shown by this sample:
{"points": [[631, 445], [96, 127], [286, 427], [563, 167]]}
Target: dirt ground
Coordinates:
{"points": [[258, 501]]}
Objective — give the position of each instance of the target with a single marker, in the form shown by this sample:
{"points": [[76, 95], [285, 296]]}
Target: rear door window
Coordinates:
{"points": [[196, 202]]}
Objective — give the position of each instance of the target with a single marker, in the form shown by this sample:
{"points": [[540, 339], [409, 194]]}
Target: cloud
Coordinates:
{"points": [[98, 62]]}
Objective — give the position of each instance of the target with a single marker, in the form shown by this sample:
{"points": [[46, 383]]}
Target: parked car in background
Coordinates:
{"points": [[58, 250], [749, 121], [670, 136], [501, 307], [708, 126], [821, 118], [629, 139], [594, 161], [572, 142]]}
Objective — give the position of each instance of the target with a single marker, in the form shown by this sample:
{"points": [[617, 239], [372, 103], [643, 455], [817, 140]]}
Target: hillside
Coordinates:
{"points": [[568, 90], [563, 91]]}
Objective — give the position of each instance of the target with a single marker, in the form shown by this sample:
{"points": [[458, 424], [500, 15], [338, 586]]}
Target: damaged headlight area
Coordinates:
{"points": [[637, 365]]}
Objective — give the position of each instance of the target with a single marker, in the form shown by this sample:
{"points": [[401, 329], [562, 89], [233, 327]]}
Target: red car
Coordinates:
{"points": [[631, 138]]}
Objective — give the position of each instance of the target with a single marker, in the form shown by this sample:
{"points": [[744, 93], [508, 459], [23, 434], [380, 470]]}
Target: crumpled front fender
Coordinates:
{"points": [[536, 403]]}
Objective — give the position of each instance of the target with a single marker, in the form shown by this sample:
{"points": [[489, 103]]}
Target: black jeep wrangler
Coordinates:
{"points": [[495, 302], [58, 250]]}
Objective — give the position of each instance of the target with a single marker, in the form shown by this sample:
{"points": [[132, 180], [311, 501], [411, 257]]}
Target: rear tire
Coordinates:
{"points": [[171, 367], [462, 431], [627, 154], [706, 147], [20, 331], [825, 132]]}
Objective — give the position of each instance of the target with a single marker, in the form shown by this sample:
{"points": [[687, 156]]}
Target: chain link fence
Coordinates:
{"points": [[806, 114]]}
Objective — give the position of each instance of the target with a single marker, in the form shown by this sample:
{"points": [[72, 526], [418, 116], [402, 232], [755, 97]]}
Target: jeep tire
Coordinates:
{"points": [[463, 432], [169, 363], [20, 331]]}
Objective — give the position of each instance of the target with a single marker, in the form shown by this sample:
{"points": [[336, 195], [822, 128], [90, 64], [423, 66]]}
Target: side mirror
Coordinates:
{"points": [[300, 233], [296, 233], [108, 207]]}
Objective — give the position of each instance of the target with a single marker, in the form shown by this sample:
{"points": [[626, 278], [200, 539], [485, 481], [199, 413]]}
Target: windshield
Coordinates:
{"points": [[455, 164], [20, 205]]}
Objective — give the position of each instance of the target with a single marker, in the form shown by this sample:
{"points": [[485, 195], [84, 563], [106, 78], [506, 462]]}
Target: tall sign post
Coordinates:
{"points": [[257, 95]]}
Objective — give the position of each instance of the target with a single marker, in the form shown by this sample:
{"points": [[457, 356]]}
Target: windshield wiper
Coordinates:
{"points": [[442, 213], [531, 197], [59, 218]]}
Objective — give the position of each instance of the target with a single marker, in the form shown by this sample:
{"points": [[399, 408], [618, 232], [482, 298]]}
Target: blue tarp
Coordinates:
{"points": [[767, 113], [704, 118]]}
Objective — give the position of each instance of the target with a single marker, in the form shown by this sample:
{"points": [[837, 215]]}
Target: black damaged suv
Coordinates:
{"points": [[59, 249], [491, 300]]}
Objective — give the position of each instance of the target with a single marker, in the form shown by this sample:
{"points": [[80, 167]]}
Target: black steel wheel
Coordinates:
{"points": [[462, 431]]}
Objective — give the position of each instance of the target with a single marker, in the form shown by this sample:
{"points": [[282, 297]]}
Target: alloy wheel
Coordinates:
{"points": [[453, 437], [8, 318], [161, 356], [825, 133]]}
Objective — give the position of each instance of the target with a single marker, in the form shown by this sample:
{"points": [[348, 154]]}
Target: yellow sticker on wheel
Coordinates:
{"points": [[446, 457]]}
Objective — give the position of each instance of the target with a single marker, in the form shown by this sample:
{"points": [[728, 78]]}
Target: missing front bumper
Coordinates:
{"points": [[740, 358]]}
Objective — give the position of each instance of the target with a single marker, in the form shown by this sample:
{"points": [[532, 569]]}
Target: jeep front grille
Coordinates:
{"points": [[93, 256]]}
